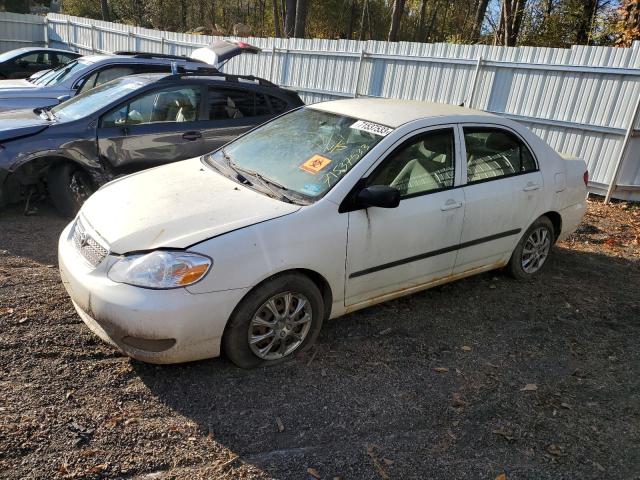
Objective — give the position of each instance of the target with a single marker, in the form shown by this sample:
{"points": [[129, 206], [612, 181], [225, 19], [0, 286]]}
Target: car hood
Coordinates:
{"points": [[175, 206], [20, 123], [7, 87]]}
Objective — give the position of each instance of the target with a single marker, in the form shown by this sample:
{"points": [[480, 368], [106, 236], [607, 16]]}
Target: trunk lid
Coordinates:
{"points": [[221, 51]]}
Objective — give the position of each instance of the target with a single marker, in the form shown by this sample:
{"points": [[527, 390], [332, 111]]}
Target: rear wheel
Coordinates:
{"points": [[69, 186], [532, 250], [280, 317]]}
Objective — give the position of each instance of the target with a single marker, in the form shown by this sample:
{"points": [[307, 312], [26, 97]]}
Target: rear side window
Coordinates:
{"points": [[278, 105], [63, 58], [227, 103], [494, 153], [105, 75]]}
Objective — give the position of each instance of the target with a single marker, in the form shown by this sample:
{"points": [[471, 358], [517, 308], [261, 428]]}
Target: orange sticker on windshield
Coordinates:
{"points": [[315, 164]]}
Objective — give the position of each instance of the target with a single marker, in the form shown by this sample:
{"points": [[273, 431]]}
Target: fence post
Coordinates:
{"points": [[162, 44], [69, 32], [625, 146], [46, 32], [273, 60], [93, 40], [358, 72], [132, 43], [285, 61], [474, 82]]}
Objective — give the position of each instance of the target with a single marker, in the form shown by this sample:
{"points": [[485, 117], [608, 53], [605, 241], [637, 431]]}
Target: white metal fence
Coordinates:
{"points": [[583, 101], [17, 30]]}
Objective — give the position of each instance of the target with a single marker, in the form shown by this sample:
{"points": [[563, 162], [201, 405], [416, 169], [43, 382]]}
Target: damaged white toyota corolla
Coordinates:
{"points": [[320, 212]]}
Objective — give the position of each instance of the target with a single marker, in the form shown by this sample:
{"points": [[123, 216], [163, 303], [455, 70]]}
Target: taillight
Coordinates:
{"points": [[585, 177]]}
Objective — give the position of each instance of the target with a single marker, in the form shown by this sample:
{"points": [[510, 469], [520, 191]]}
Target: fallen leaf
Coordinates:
{"points": [[457, 401], [503, 433], [465, 348], [529, 387], [388, 461], [280, 424], [502, 476], [131, 420], [313, 472], [385, 331], [441, 369]]}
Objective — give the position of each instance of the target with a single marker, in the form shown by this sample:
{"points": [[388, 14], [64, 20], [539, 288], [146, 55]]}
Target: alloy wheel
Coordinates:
{"points": [[280, 325], [536, 249]]}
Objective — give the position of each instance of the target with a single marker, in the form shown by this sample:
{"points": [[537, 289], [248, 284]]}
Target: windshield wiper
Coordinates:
{"points": [[241, 173]]}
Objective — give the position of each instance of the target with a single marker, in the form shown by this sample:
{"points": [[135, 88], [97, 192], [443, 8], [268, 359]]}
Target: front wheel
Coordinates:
{"points": [[69, 186], [532, 250], [282, 316]]}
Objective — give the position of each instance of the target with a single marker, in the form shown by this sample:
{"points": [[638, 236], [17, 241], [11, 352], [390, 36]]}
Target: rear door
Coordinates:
{"points": [[503, 194], [231, 111], [158, 127]]}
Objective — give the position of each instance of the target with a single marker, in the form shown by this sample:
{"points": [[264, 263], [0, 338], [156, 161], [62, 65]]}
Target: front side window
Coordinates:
{"points": [[63, 58], [421, 165], [103, 76], [168, 105], [306, 151], [494, 153], [36, 58]]}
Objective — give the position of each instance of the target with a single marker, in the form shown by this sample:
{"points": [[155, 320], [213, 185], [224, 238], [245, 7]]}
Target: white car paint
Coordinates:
{"points": [[251, 237]]}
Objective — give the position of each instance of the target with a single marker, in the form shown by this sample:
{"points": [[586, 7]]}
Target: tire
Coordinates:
{"points": [[69, 186], [254, 308], [538, 239]]}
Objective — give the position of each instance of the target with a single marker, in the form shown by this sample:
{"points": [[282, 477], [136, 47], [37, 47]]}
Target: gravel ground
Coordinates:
{"points": [[479, 378]]}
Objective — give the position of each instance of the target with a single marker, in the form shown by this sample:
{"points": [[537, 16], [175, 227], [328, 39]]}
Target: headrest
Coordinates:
{"points": [[500, 142]]}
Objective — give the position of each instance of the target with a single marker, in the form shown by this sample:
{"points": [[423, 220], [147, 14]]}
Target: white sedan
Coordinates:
{"points": [[324, 210]]}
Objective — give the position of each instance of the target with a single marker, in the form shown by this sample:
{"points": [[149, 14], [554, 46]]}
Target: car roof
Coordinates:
{"points": [[249, 81], [392, 112], [18, 51]]}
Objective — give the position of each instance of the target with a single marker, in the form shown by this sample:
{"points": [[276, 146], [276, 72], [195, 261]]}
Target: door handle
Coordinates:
{"points": [[191, 135], [530, 187], [450, 205]]}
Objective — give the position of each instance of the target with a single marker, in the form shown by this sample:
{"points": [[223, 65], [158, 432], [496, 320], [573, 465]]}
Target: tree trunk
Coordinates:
{"points": [[481, 12], [583, 30], [104, 6], [301, 18], [510, 20], [352, 19], [365, 6], [396, 17], [420, 33], [276, 19], [289, 18]]}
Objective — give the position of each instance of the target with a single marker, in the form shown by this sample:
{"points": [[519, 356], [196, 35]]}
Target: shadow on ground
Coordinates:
{"points": [[373, 398]]}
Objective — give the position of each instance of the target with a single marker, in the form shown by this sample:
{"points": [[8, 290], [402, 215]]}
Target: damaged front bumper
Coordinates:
{"points": [[155, 326]]}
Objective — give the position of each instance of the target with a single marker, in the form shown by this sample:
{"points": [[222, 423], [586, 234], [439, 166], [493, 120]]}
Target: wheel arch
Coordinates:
{"points": [[556, 220]]}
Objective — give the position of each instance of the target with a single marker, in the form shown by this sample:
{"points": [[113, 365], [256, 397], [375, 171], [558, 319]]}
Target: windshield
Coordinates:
{"points": [[93, 100], [62, 73], [306, 151]]}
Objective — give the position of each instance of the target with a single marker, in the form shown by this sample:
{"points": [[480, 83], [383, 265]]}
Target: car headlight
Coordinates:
{"points": [[160, 269]]}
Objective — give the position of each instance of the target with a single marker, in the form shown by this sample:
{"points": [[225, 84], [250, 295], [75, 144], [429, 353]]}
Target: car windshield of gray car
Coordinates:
{"points": [[62, 73], [93, 100], [305, 152]]}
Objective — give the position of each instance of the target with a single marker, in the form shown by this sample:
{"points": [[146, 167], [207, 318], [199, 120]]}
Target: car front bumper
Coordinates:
{"points": [[155, 326]]}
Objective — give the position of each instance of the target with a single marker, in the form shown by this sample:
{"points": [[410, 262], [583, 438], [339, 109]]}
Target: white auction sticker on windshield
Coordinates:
{"points": [[371, 127]]}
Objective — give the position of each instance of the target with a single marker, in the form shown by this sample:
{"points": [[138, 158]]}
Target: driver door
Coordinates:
{"points": [[393, 250], [159, 127]]}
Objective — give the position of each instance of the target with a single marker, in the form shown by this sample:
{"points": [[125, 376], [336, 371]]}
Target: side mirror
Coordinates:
{"points": [[381, 196], [63, 98]]}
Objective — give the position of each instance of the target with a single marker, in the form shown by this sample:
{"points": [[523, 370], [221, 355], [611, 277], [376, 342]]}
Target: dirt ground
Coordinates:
{"points": [[472, 380]]}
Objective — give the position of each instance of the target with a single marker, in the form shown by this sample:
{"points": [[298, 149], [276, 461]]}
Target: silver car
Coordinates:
{"points": [[90, 71]]}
